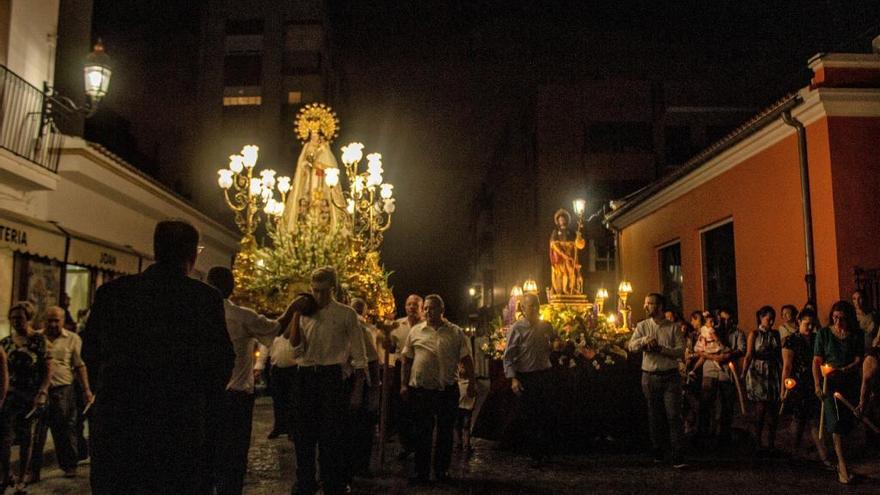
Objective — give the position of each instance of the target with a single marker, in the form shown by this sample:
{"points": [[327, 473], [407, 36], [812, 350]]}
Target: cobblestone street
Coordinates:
{"points": [[490, 470]]}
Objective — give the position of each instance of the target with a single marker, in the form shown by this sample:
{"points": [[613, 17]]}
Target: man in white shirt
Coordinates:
{"points": [[431, 355], [245, 326], [401, 418], [324, 343], [65, 348], [662, 346], [281, 375]]}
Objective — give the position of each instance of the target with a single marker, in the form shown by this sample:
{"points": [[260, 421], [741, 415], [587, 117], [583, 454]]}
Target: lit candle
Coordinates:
{"points": [[826, 370]]}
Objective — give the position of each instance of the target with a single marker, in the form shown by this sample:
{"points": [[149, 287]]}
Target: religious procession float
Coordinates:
{"points": [[323, 215]]}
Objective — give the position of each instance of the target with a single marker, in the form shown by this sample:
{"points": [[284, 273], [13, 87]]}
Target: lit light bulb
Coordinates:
{"points": [[268, 177], [269, 209], [625, 287], [359, 184], [602, 293], [516, 291], [331, 177], [236, 163], [374, 163], [579, 206], [249, 155], [256, 187], [352, 153], [374, 180], [283, 185], [266, 194], [611, 318], [225, 179], [389, 206], [350, 207], [386, 191]]}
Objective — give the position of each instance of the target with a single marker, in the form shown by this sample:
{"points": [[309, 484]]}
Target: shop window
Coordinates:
{"points": [[37, 280], [719, 267], [671, 277], [78, 286]]}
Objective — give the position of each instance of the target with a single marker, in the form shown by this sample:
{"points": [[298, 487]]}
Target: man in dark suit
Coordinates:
{"points": [[157, 346]]}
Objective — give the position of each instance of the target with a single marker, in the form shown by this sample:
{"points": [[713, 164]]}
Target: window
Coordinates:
{"points": [[242, 70], [294, 97], [618, 137], [719, 267], [244, 27], [301, 62], [78, 286], [304, 37], [231, 101], [671, 277]]}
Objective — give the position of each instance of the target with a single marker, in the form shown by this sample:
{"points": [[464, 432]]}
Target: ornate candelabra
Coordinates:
{"points": [[248, 196], [369, 201]]}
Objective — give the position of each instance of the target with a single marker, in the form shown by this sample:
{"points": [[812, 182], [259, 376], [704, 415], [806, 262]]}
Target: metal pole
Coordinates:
{"points": [[806, 203]]}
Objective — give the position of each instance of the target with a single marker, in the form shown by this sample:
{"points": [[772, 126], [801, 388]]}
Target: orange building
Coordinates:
{"points": [[728, 228]]}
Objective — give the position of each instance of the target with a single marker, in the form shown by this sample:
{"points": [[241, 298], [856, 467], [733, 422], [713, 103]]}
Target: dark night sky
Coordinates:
{"points": [[431, 85]]}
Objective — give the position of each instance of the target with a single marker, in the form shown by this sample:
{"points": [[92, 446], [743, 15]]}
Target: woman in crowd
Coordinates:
{"points": [[797, 365], [762, 374], [839, 345], [29, 370]]}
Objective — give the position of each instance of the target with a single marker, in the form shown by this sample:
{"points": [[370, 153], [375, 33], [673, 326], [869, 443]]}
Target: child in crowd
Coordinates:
{"points": [[708, 342]]}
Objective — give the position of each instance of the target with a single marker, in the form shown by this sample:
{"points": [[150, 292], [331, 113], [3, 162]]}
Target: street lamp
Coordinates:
{"points": [[96, 80], [97, 73], [623, 292], [530, 287]]}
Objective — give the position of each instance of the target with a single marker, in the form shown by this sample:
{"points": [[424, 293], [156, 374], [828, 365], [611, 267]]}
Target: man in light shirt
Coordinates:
{"points": [[431, 355], [244, 326], [527, 365], [282, 374], [65, 348], [324, 343], [662, 346], [401, 418]]}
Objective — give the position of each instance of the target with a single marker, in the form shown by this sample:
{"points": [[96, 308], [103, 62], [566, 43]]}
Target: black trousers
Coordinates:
{"points": [[537, 413], [401, 415], [712, 388], [281, 384], [319, 422], [427, 407], [60, 417], [236, 442]]}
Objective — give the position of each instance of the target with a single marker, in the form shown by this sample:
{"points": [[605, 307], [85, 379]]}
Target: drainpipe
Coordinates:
{"points": [[806, 203]]}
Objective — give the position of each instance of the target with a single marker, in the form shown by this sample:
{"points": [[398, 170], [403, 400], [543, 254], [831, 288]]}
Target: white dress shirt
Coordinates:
{"points": [[398, 338], [332, 335], [245, 326], [668, 338], [280, 354], [435, 354]]}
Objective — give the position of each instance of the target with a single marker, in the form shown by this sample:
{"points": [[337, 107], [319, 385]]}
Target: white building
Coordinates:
{"points": [[72, 215]]}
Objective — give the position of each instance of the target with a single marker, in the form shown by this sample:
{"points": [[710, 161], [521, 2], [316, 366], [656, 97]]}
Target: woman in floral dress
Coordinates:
{"points": [[762, 368]]}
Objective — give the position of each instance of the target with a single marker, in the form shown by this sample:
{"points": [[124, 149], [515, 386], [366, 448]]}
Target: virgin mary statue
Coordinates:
{"points": [[310, 198]]}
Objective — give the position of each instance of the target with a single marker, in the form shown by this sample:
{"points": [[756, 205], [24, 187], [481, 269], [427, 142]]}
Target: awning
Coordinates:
{"points": [[88, 251], [31, 236]]}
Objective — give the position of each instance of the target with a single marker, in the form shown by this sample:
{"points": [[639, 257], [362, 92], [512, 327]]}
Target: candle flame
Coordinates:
{"points": [[826, 369], [838, 396], [790, 383]]}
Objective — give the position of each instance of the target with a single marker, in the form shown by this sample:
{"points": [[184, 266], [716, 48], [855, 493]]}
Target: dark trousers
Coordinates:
{"points": [[427, 407], [281, 384], [361, 430], [401, 415], [82, 445], [319, 421], [537, 413], [60, 417], [236, 442], [14, 427], [726, 390], [663, 395]]}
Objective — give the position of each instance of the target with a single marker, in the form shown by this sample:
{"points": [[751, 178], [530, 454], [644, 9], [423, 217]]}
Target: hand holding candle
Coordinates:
{"points": [[826, 370], [789, 385]]}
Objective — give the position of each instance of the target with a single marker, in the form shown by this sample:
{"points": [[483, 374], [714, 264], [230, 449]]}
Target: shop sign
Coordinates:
{"points": [[19, 236]]}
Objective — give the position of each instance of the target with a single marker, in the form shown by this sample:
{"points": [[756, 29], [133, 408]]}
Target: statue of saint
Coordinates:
{"points": [[565, 268], [310, 196]]}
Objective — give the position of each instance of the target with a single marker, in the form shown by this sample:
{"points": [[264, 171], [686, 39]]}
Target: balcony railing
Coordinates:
{"points": [[23, 130]]}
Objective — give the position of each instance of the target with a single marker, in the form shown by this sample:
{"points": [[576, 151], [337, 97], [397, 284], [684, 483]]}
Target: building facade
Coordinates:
{"points": [[72, 215], [728, 229]]}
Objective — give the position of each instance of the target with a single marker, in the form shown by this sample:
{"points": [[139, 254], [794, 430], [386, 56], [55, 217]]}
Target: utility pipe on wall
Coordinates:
{"points": [[806, 203]]}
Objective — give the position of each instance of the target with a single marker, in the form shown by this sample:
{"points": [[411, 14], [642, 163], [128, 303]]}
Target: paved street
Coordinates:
{"points": [[493, 471]]}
